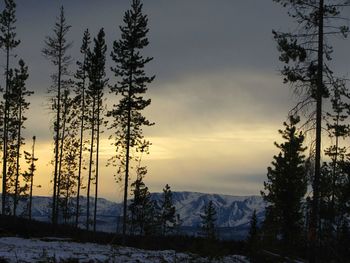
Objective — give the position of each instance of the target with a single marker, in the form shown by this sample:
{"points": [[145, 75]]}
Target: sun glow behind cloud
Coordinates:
{"points": [[217, 100], [209, 136]]}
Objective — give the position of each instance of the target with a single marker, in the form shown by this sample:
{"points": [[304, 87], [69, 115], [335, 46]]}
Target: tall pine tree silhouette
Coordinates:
{"points": [[98, 81], [129, 69], [17, 108], [56, 48], [80, 90], [8, 42]]}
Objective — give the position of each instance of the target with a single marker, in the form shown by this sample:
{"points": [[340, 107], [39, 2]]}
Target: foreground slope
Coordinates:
{"points": [[13, 249]]}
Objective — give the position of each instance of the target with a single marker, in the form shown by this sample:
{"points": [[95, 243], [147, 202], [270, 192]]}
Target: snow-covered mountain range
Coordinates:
{"points": [[233, 212]]}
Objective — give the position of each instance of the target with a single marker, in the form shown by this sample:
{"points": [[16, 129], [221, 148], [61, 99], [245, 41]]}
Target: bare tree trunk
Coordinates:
{"points": [[57, 137], [5, 135], [316, 183], [97, 156], [31, 181], [127, 157], [64, 116], [19, 129], [80, 148], [90, 164]]}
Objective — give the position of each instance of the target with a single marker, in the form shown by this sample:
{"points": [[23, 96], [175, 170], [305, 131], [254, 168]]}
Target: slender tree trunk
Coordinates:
{"points": [[31, 181], [5, 135], [335, 160], [316, 184], [57, 137], [66, 200], [127, 156], [90, 164], [97, 156], [80, 148], [64, 116], [19, 129]]}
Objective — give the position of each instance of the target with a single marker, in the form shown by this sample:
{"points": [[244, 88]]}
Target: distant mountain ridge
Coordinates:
{"points": [[233, 212]]}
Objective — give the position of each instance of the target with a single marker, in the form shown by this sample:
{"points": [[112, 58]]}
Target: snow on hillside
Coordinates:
{"points": [[13, 249], [233, 212]]}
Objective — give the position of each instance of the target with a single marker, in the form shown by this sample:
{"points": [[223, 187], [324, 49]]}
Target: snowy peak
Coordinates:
{"points": [[233, 212]]}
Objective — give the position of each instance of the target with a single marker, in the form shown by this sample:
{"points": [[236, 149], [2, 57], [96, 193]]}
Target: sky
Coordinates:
{"points": [[218, 99]]}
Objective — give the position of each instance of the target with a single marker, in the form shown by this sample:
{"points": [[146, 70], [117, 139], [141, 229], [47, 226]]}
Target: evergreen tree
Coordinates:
{"points": [[56, 48], [167, 211], [18, 104], [68, 171], [128, 119], [209, 221], [8, 42], [80, 102], [98, 81], [305, 54], [286, 187], [332, 173], [253, 238], [142, 208]]}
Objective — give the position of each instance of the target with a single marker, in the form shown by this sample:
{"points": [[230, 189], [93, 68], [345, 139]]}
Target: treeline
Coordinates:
{"points": [[308, 199], [78, 103]]}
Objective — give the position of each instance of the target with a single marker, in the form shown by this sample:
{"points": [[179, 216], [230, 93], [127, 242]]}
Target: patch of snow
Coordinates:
{"points": [[14, 249]]}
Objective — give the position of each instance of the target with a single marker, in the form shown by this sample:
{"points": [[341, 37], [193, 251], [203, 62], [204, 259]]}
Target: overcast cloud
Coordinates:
{"points": [[217, 100]]}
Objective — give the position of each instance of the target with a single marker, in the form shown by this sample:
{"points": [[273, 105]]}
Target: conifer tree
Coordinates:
{"points": [[80, 100], [56, 48], [253, 238], [332, 172], [286, 187], [98, 81], [17, 106], [167, 211], [129, 69], [209, 221], [305, 54], [142, 216], [8, 42]]}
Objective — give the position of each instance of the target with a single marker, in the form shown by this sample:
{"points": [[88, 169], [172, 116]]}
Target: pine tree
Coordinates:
{"points": [[128, 119], [142, 209], [209, 218], [56, 48], [80, 102], [8, 42], [167, 211], [305, 54], [332, 172], [69, 168], [253, 238], [286, 187], [98, 81], [18, 104]]}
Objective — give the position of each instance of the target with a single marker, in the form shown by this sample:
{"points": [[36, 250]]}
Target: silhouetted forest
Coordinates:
{"points": [[307, 186]]}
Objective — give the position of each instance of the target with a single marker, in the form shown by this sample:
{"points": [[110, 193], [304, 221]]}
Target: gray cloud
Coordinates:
{"points": [[217, 95]]}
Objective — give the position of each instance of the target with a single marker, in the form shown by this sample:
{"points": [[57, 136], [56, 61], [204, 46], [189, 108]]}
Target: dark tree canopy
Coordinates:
{"points": [[286, 187]]}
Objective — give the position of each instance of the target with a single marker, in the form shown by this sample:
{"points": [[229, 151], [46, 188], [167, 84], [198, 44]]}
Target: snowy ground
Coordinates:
{"points": [[13, 249]]}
